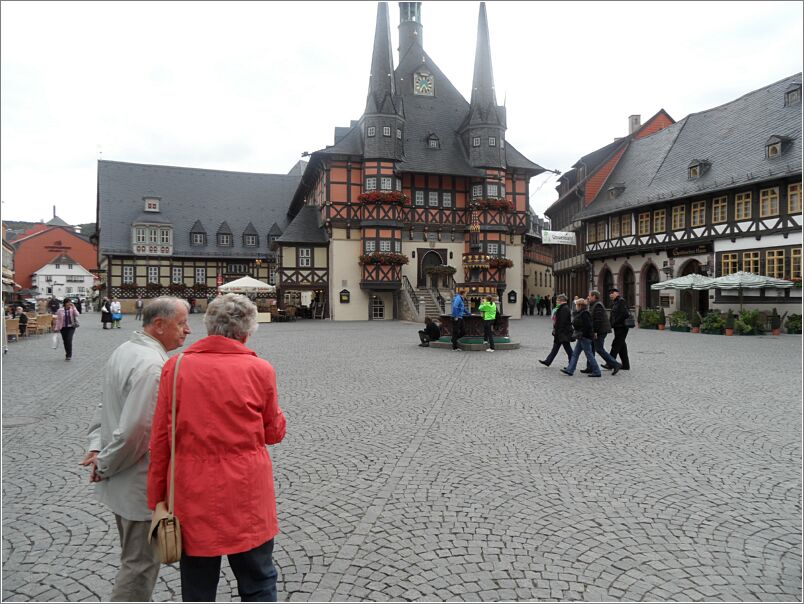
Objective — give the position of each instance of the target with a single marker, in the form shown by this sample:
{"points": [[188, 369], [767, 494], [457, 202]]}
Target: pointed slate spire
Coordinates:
{"points": [[484, 100], [382, 88]]}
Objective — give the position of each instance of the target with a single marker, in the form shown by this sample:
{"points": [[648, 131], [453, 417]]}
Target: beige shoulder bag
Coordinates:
{"points": [[163, 523]]}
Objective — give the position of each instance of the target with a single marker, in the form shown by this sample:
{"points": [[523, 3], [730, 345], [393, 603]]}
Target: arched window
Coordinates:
{"points": [[651, 296], [628, 286], [606, 283]]}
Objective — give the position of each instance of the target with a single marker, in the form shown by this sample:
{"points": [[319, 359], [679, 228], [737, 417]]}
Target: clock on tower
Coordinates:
{"points": [[423, 83]]}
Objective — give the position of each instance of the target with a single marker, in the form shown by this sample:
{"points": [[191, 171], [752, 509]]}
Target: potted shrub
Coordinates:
{"points": [[695, 322], [775, 323], [650, 319], [662, 319], [748, 323], [729, 327], [678, 321], [793, 324], [714, 323]]}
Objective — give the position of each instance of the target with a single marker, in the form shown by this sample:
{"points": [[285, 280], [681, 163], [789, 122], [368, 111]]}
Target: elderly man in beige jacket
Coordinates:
{"points": [[119, 438]]}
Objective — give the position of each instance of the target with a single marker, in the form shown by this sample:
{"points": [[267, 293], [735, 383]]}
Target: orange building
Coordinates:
{"points": [[34, 251]]}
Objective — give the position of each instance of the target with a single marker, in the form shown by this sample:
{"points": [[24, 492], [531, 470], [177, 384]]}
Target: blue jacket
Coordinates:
{"points": [[458, 307]]}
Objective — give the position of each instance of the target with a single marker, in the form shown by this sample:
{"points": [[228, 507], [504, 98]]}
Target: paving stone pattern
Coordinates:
{"points": [[411, 473]]}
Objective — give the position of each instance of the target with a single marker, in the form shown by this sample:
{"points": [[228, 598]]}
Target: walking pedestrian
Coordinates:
{"points": [[138, 306], [562, 331], [224, 496], [531, 304], [489, 310], [118, 440], [458, 313], [584, 334], [106, 312], [66, 322], [619, 314], [78, 306], [601, 328]]}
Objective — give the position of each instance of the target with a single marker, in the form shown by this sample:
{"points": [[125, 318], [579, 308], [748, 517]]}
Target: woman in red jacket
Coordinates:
{"points": [[226, 412]]}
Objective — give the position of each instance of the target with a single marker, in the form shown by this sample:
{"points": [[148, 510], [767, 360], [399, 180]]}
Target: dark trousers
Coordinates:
{"points": [[556, 347], [457, 332], [424, 337], [532, 308], [619, 347], [254, 570], [487, 335], [599, 342], [67, 337]]}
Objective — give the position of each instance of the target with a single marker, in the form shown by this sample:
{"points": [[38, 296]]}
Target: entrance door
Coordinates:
{"points": [[628, 286], [430, 259], [652, 298], [692, 300]]}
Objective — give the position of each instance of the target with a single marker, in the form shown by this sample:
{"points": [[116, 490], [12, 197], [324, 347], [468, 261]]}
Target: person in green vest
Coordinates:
{"points": [[489, 310]]}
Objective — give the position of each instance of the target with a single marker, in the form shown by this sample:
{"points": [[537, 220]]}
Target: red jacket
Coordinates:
{"points": [[226, 412]]}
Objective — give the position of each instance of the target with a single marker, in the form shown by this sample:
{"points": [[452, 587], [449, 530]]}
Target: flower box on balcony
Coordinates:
{"points": [[382, 258], [391, 197]]}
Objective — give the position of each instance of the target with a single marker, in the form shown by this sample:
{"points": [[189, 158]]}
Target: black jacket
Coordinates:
{"points": [[562, 331], [619, 313], [583, 325], [600, 319], [433, 331]]}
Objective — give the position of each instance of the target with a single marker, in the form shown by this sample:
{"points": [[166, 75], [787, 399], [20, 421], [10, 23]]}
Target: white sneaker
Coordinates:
{"points": [[489, 350]]}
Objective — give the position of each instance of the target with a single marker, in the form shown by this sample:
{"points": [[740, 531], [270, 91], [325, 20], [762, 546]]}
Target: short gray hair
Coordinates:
{"points": [[561, 297], [165, 307], [231, 315]]}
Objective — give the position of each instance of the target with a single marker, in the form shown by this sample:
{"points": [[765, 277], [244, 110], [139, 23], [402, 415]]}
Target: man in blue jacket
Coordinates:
{"points": [[458, 313]]}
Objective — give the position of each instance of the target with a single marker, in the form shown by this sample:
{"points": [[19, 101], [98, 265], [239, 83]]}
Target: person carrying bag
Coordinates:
{"points": [[165, 525]]}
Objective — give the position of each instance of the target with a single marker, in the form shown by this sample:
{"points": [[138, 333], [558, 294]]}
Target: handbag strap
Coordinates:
{"points": [[173, 436]]}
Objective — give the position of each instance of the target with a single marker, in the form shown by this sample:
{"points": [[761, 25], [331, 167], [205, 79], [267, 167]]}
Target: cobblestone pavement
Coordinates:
{"points": [[418, 474]]}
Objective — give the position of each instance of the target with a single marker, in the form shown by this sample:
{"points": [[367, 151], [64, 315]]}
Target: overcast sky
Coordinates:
{"points": [[249, 86]]}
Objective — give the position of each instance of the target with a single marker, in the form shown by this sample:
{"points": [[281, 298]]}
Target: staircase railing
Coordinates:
{"points": [[411, 296], [439, 299]]}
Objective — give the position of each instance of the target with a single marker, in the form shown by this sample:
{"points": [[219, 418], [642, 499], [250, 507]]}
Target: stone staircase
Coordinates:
{"points": [[431, 307]]}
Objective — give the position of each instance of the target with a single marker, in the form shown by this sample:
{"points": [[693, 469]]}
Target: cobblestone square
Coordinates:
{"points": [[410, 473]]}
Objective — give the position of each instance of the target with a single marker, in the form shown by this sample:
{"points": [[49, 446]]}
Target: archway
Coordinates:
{"points": [[691, 300], [605, 283], [651, 297], [430, 259], [629, 286]]}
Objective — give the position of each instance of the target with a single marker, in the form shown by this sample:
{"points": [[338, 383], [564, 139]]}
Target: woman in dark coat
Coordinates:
{"points": [[562, 330], [584, 334], [106, 313]]}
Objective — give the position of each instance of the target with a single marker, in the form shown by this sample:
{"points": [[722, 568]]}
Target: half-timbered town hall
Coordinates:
{"points": [[422, 194]]}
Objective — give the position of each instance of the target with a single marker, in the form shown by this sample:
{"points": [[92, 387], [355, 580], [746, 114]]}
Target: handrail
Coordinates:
{"points": [[439, 299], [411, 292]]}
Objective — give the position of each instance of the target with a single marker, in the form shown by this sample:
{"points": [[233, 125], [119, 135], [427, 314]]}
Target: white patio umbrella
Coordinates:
{"points": [[247, 285], [742, 280], [694, 281]]}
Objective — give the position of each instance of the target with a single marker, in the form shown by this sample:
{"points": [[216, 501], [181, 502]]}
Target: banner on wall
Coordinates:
{"points": [[558, 238]]}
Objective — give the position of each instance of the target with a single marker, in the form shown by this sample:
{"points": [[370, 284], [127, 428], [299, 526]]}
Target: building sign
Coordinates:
{"points": [[689, 251], [558, 238]]}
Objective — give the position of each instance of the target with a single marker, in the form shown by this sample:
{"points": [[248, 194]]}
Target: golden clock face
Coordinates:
{"points": [[423, 84]]}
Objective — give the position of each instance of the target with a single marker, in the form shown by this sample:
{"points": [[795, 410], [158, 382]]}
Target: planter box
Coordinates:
{"points": [[647, 326], [680, 328], [712, 332]]}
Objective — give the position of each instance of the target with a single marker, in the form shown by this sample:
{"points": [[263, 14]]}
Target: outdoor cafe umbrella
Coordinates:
{"points": [[247, 285], [742, 280], [693, 281]]}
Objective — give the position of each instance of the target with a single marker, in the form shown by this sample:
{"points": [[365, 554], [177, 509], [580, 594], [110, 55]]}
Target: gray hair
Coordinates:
{"points": [[561, 297], [165, 307], [231, 315]]}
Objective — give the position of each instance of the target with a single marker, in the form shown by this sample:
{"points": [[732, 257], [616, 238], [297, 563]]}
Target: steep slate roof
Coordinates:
{"points": [[56, 221], [732, 137], [185, 194], [305, 228]]}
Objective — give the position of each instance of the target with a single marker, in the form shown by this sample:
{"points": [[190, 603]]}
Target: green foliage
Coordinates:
{"points": [[714, 322], [793, 324], [729, 319], [695, 321], [662, 317], [775, 320], [650, 318], [751, 323], [678, 319]]}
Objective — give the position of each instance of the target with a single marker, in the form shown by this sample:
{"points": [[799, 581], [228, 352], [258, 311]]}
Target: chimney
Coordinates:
{"points": [[634, 123], [54, 211]]}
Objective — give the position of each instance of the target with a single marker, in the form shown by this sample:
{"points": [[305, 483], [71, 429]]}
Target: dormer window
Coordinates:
{"points": [[371, 131], [697, 168], [775, 146], [492, 141], [476, 141], [224, 240], [433, 142], [793, 94], [616, 190], [250, 240], [151, 204]]}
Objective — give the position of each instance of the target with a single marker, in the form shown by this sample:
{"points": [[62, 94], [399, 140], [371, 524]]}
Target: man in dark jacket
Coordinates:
{"points": [[562, 331], [619, 313], [602, 327]]}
